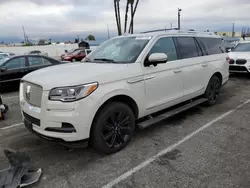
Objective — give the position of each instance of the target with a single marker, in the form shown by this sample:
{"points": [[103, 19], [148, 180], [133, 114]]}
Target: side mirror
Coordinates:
{"points": [[156, 58], [3, 69], [229, 50]]}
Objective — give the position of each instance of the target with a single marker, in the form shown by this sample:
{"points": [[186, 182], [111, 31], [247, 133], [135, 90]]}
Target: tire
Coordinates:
{"points": [[115, 123], [73, 60], [212, 93]]}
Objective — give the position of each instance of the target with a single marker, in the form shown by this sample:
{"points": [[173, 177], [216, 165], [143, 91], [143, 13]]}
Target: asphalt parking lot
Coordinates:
{"points": [[202, 147]]}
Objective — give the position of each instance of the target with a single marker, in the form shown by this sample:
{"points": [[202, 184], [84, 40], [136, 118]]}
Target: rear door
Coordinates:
{"points": [[192, 65], [15, 69], [35, 63]]}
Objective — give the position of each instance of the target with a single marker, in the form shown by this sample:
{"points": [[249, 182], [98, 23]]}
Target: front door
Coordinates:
{"points": [[163, 83], [14, 69]]}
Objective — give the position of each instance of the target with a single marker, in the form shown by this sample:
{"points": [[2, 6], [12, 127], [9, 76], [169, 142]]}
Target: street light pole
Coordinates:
{"points": [[108, 32], [233, 31], [179, 18]]}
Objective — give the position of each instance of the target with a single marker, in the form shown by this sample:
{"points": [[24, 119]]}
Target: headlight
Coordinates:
{"points": [[72, 93]]}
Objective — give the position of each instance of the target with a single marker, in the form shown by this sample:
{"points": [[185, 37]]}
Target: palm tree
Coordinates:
{"points": [[132, 10], [119, 17], [116, 16], [126, 17], [131, 27]]}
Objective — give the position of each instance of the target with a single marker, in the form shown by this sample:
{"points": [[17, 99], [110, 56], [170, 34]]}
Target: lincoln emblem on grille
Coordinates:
{"points": [[28, 92]]}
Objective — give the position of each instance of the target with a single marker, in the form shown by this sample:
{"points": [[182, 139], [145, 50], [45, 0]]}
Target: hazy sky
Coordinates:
{"points": [[55, 17]]}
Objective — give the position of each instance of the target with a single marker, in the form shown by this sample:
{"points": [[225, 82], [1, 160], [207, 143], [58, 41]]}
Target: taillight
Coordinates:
{"points": [[227, 59]]}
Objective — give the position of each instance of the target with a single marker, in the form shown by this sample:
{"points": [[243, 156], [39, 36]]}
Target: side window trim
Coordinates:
{"points": [[177, 48], [202, 45], [198, 47]]}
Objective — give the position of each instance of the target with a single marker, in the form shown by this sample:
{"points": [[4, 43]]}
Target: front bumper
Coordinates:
{"points": [[239, 68], [49, 121]]}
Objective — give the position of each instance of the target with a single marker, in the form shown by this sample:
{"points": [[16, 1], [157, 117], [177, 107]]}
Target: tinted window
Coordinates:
{"points": [[46, 62], [15, 63], [243, 47], [165, 45], [35, 61], [213, 45], [187, 47]]}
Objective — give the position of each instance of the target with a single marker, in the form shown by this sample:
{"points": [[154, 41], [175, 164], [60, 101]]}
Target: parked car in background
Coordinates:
{"points": [[12, 69], [230, 42], [77, 55], [5, 54], [37, 52], [240, 58], [127, 78], [68, 52]]}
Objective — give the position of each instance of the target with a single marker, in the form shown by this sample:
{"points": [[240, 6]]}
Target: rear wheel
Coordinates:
{"points": [[213, 91], [113, 128], [73, 60]]}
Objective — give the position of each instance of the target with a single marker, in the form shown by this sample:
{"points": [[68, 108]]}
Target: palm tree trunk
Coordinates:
{"points": [[119, 17], [132, 19], [131, 27], [116, 16], [126, 17]]}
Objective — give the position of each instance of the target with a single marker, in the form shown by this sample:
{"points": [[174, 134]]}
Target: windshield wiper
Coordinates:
{"points": [[104, 59]]}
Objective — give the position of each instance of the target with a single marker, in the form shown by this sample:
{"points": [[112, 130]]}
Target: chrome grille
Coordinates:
{"points": [[32, 94]]}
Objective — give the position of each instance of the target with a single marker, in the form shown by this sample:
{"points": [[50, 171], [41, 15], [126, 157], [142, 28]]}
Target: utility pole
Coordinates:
{"points": [[108, 32], [24, 35], [233, 31], [171, 26], [179, 18]]}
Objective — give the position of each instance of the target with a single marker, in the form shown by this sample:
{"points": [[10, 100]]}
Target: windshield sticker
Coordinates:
{"points": [[143, 38]]}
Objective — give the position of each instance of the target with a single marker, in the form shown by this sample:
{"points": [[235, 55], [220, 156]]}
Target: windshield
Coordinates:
{"points": [[119, 50], [76, 52], [243, 47], [2, 60]]}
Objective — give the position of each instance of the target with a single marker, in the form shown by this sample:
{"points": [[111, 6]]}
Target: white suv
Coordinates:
{"points": [[123, 83], [240, 58]]}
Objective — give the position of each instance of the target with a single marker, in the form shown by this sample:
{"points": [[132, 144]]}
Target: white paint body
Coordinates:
{"points": [[152, 88]]}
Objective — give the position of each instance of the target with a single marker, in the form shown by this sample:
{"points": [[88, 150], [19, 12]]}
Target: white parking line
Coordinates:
{"points": [[13, 97], [11, 126], [161, 153]]}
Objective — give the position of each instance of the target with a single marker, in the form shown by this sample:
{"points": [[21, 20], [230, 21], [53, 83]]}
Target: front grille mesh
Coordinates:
{"points": [[32, 94]]}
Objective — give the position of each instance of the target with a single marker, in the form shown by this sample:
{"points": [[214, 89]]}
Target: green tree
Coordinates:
{"points": [[90, 37]]}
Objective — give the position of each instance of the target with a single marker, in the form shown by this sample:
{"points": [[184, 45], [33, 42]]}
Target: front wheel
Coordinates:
{"points": [[212, 93], [113, 128]]}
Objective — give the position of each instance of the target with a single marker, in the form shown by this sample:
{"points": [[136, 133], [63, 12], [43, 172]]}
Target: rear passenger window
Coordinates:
{"points": [[187, 47], [213, 45], [165, 45]]}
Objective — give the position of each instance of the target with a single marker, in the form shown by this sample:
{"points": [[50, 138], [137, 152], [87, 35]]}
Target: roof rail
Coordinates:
{"points": [[175, 30], [157, 30]]}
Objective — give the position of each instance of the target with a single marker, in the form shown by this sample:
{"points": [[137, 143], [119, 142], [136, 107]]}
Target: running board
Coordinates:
{"points": [[170, 113]]}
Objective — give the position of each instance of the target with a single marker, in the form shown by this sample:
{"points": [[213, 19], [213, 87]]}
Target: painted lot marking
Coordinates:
{"points": [[168, 149], [8, 98], [11, 126]]}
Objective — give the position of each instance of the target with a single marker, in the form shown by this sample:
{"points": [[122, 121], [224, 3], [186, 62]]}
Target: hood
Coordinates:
{"points": [[71, 74], [239, 55]]}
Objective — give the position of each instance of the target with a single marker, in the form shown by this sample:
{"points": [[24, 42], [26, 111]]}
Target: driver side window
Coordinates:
{"points": [[15, 63], [165, 45]]}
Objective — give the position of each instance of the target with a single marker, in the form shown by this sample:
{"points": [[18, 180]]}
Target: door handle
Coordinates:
{"points": [[204, 65], [177, 70], [149, 77]]}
